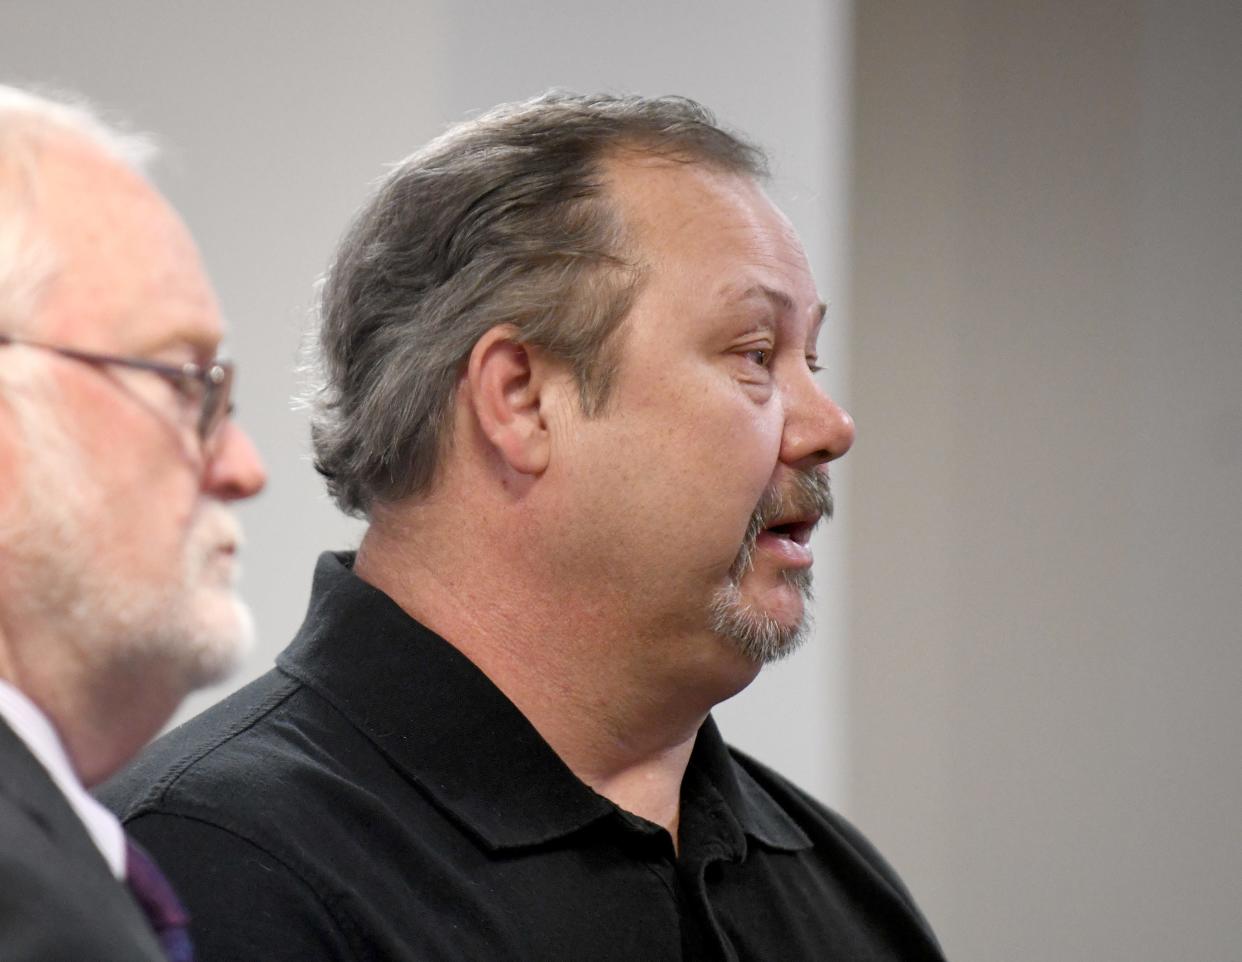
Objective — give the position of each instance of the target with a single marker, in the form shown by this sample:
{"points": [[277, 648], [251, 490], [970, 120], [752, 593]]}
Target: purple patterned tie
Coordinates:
{"points": [[159, 902]]}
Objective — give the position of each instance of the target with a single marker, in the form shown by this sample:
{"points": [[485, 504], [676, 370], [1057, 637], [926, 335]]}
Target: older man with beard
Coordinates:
{"points": [[569, 356], [117, 458]]}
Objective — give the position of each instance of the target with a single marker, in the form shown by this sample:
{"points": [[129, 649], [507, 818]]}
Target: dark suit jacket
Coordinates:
{"points": [[59, 901]]}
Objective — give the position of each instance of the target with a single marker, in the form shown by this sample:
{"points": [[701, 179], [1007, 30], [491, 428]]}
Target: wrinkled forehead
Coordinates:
{"points": [[712, 234], [667, 205], [127, 276]]}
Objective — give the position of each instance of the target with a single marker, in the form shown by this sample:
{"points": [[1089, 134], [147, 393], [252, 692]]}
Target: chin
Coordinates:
{"points": [[765, 625], [215, 638], [783, 602]]}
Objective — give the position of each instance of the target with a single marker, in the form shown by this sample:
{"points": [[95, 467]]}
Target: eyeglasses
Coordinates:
{"points": [[205, 385]]}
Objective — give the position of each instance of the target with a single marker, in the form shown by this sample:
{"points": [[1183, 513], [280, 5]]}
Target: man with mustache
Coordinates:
{"points": [[117, 458], [568, 375]]}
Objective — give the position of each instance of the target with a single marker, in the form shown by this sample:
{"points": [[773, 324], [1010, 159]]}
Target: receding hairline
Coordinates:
{"points": [[612, 165], [31, 118], [638, 153], [477, 228], [34, 127]]}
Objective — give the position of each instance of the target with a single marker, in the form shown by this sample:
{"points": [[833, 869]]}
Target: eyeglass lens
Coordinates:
{"points": [[218, 388]]}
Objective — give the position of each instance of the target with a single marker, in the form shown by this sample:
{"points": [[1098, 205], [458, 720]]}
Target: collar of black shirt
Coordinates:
{"points": [[443, 723]]}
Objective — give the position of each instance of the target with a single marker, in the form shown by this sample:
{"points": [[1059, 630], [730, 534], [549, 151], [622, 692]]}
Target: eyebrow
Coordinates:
{"points": [[176, 339], [779, 299]]}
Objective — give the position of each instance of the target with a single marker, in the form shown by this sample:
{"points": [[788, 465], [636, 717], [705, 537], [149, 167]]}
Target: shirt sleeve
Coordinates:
{"points": [[244, 902]]}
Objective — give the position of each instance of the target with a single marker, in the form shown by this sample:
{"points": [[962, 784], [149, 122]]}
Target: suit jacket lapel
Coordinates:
{"points": [[30, 788], [27, 790]]}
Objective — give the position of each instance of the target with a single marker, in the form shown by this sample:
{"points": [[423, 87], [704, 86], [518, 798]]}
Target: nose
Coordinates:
{"points": [[817, 429], [234, 470]]}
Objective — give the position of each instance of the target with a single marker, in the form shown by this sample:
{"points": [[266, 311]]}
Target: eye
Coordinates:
{"points": [[189, 391], [759, 355], [813, 365], [189, 388]]}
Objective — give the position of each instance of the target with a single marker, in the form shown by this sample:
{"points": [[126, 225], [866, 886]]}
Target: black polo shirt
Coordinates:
{"points": [[375, 796]]}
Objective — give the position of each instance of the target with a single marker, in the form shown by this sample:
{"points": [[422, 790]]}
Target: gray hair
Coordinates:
{"points": [[501, 220], [28, 122]]}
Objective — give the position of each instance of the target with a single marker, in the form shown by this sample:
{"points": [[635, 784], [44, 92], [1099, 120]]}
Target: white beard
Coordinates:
{"points": [[190, 623]]}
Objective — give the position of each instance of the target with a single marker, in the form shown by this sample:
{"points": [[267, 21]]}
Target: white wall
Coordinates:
{"points": [[277, 116], [1047, 370]]}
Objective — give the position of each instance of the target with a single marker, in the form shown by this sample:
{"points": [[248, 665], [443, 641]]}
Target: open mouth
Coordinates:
{"points": [[797, 531]]}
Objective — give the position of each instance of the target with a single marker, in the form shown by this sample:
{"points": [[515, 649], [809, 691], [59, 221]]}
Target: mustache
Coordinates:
{"points": [[215, 527], [810, 492]]}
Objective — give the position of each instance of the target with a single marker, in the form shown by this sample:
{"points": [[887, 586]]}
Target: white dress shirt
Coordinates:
{"points": [[33, 728]]}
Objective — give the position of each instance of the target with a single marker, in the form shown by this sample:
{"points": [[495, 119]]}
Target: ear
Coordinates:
{"points": [[507, 381]]}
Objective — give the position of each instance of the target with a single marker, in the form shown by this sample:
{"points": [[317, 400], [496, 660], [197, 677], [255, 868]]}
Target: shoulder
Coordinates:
{"points": [[207, 741], [239, 769], [212, 785], [232, 807], [248, 896]]}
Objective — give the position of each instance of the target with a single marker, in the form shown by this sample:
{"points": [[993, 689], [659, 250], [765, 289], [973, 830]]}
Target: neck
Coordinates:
{"points": [[101, 721], [588, 684]]}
